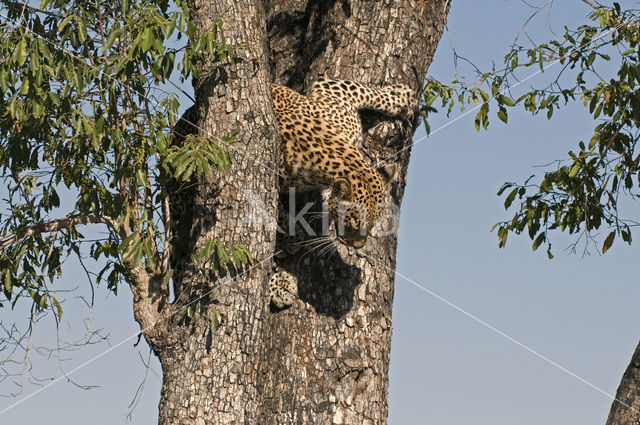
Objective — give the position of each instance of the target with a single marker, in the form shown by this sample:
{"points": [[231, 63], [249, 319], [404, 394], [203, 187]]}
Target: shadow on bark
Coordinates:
{"points": [[304, 28], [325, 281]]}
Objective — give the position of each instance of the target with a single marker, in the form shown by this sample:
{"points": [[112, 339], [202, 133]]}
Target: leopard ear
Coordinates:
{"points": [[388, 172], [341, 188]]}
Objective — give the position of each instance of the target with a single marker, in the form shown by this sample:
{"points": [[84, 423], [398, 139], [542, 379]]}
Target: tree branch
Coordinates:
{"points": [[595, 6], [55, 225]]}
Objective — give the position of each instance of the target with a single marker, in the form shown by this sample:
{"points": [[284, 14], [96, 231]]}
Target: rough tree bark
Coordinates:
{"points": [[212, 377], [325, 359], [628, 412], [328, 355]]}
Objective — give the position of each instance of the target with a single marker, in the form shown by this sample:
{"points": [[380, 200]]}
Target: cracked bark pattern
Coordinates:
{"points": [[324, 360], [328, 355], [212, 377], [629, 394]]}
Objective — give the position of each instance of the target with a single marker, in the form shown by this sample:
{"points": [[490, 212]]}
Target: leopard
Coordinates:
{"points": [[283, 289], [320, 134]]}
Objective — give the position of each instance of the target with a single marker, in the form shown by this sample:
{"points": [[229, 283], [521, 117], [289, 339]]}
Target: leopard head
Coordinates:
{"points": [[355, 204]]}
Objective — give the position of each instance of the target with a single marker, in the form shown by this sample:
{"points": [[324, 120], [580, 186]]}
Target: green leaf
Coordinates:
{"points": [[536, 243], [149, 254], [574, 170], [222, 253], [504, 187], [82, 29], [147, 39], [37, 109], [4, 80], [20, 53], [502, 114], [593, 103], [13, 108], [24, 87], [130, 244], [138, 252], [608, 241], [45, 51], [510, 198], [140, 177], [214, 318], [111, 38], [57, 305], [64, 23], [596, 114], [8, 283]]}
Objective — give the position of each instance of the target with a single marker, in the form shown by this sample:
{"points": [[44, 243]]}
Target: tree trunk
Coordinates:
{"points": [[625, 410], [211, 377], [328, 355], [325, 359]]}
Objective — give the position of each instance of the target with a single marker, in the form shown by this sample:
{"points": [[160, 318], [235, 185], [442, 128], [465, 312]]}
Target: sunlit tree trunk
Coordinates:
{"points": [[211, 377], [328, 355]]}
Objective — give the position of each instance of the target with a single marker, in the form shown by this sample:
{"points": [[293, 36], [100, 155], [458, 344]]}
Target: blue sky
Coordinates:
{"points": [[578, 311]]}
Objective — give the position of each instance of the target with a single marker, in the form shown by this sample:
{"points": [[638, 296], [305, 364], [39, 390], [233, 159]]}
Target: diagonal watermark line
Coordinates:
{"points": [[447, 124], [144, 96], [499, 332], [93, 359]]}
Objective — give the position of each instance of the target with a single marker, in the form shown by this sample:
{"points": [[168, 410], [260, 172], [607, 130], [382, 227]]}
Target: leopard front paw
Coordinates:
{"points": [[283, 289]]}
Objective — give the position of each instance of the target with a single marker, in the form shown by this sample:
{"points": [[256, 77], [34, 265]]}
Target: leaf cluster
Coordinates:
{"points": [[83, 111], [213, 256], [582, 194]]}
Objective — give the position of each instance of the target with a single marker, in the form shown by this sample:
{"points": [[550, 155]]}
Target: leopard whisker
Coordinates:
{"points": [[333, 252], [317, 215], [319, 244], [312, 241], [328, 247], [322, 241], [324, 250], [315, 219]]}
